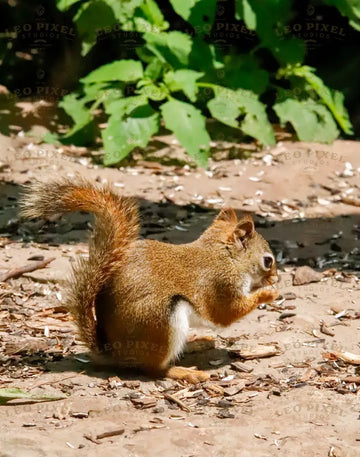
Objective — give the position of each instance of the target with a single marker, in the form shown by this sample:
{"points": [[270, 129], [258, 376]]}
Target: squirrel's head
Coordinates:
{"points": [[247, 251]]}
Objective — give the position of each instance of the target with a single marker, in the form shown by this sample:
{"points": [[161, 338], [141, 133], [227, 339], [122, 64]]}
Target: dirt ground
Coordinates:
{"points": [[303, 399]]}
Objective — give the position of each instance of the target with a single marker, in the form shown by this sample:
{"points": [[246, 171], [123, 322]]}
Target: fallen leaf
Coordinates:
{"points": [[7, 395]]}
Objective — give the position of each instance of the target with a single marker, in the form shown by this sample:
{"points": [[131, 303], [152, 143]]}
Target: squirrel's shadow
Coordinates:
{"points": [[82, 362]]}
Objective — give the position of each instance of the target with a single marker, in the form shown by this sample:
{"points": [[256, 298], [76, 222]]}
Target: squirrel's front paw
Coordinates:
{"points": [[267, 296]]}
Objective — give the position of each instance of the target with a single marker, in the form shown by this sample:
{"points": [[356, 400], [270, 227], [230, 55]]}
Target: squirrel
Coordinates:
{"points": [[133, 298]]}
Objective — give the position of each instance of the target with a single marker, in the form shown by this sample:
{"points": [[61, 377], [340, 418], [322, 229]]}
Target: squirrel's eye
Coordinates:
{"points": [[268, 261]]}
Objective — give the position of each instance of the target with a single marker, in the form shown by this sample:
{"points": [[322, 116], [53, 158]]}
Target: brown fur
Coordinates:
{"points": [[124, 296]]}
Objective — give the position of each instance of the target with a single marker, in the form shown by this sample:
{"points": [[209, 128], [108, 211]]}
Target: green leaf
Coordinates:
{"points": [[203, 57], [145, 55], [15, 394], [268, 17], [123, 10], [198, 13], [153, 13], [172, 47], [188, 124], [64, 5], [333, 99], [245, 11], [51, 138], [121, 137], [154, 69], [311, 121], [184, 80], [90, 17], [228, 106], [124, 106], [243, 71], [83, 130], [119, 70], [155, 92], [75, 108], [348, 8], [92, 91]]}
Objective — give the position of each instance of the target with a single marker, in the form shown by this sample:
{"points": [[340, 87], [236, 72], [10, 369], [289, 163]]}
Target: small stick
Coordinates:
{"points": [[54, 382], [349, 200], [104, 435], [16, 272], [177, 401], [113, 433], [90, 438]]}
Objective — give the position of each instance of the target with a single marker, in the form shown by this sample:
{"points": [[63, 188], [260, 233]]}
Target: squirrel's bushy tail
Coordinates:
{"points": [[117, 225]]}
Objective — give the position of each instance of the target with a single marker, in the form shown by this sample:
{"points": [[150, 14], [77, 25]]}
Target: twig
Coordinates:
{"points": [[113, 433], [104, 435], [16, 272], [177, 401], [54, 382], [350, 200], [90, 438]]}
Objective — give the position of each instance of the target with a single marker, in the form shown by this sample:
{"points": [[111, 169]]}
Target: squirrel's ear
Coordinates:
{"points": [[227, 214], [245, 230]]}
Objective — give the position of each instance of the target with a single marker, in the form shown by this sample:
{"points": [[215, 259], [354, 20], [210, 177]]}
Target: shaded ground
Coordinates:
{"points": [[302, 401]]}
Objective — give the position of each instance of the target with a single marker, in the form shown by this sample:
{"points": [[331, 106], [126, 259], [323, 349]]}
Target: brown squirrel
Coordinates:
{"points": [[132, 299]]}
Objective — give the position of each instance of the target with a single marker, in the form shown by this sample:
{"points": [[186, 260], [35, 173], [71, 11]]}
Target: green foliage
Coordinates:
{"points": [[179, 79], [124, 133], [120, 70], [348, 8], [195, 10], [333, 99], [188, 124], [266, 17], [311, 121], [228, 106]]}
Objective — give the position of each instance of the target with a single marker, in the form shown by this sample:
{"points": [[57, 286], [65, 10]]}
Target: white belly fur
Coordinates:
{"points": [[179, 327]]}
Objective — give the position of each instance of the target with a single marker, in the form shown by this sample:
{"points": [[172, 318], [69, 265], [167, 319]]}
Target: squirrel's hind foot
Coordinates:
{"points": [[187, 374]]}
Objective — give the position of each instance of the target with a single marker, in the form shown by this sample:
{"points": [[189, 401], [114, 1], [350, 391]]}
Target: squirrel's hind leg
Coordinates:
{"points": [[178, 337]]}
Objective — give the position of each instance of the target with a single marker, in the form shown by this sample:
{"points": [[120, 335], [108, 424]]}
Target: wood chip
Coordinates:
{"points": [[225, 414], [289, 296], [348, 200], [233, 390], [355, 379], [261, 351], [144, 402], [286, 315], [324, 329], [306, 275], [238, 366], [199, 344], [353, 359]]}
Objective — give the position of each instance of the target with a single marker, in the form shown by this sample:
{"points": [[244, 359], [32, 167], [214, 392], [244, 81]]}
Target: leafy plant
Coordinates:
{"points": [[181, 79]]}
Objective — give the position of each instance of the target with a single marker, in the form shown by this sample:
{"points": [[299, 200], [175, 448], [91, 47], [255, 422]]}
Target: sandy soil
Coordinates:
{"points": [[303, 401]]}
